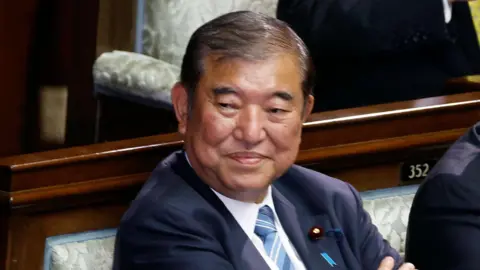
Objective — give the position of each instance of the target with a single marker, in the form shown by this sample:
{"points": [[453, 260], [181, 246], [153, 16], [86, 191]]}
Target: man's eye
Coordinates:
{"points": [[225, 105], [276, 110]]}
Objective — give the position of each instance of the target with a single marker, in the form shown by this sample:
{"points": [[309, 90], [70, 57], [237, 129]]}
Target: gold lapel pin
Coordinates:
{"points": [[316, 233]]}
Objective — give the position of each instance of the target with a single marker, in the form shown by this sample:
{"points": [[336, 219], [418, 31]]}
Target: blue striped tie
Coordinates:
{"points": [[265, 229]]}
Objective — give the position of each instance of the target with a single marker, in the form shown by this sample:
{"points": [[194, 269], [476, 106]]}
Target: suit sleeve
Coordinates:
{"points": [[168, 241], [373, 248], [444, 224], [364, 27]]}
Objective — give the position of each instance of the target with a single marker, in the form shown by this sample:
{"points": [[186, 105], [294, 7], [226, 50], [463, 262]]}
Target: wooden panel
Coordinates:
{"points": [[390, 120], [50, 59], [122, 119], [88, 187], [81, 102], [4, 230], [17, 25], [63, 53], [459, 85], [45, 43], [116, 25], [376, 164]]}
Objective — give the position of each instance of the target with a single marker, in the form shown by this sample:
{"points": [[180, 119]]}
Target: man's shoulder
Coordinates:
{"points": [[455, 173], [306, 186], [164, 194], [458, 157], [460, 165], [318, 181]]}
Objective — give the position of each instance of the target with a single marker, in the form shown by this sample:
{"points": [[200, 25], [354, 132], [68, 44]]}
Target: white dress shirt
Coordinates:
{"points": [[246, 216]]}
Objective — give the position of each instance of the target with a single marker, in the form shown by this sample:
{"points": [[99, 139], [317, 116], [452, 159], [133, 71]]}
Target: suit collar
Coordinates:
{"points": [[246, 213]]}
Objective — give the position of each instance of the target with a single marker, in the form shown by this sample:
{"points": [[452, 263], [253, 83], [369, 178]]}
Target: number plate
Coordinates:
{"points": [[416, 170]]}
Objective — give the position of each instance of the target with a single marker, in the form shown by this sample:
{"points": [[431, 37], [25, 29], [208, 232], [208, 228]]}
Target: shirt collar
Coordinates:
{"points": [[245, 213]]}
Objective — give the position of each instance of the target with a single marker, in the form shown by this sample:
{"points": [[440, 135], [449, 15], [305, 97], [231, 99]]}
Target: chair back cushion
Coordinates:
{"points": [[168, 24], [389, 210], [80, 251]]}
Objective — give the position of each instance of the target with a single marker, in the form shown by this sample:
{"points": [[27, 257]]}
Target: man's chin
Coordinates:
{"points": [[249, 184], [249, 193]]}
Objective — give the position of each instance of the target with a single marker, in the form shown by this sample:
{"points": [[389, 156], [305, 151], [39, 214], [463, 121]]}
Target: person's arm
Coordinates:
{"points": [[444, 224], [169, 241], [372, 246], [363, 27]]}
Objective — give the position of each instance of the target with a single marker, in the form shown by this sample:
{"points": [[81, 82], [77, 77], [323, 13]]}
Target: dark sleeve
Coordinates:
{"points": [[444, 225], [168, 241], [373, 247], [362, 27]]}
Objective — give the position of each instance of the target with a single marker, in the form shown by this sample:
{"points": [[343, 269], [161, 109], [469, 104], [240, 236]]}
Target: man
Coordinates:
{"points": [[233, 199], [444, 225], [370, 52]]}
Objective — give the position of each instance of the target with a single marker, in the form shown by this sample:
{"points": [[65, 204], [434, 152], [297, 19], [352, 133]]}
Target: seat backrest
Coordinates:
{"points": [[168, 24], [80, 251], [389, 210]]}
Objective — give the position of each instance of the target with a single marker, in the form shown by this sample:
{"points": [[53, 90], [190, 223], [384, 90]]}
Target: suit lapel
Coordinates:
{"points": [[297, 225]]}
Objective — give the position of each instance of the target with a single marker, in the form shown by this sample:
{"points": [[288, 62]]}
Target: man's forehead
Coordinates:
{"points": [[282, 69], [282, 60]]}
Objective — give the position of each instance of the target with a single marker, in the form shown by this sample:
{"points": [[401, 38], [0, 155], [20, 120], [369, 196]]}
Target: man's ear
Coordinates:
{"points": [[308, 107], [180, 105]]}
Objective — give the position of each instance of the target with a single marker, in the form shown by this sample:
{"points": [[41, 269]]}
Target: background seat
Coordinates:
{"points": [[86, 250], [389, 210]]}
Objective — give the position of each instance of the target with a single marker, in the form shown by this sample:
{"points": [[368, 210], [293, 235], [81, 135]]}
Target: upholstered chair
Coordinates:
{"points": [[144, 77]]}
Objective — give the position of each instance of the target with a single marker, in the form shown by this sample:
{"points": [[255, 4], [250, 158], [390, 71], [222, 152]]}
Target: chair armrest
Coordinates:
{"points": [[134, 74]]}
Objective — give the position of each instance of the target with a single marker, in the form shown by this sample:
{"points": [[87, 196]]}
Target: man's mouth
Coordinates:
{"points": [[247, 158]]}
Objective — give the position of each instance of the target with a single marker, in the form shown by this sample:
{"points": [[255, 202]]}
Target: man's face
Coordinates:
{"points": [[244, 129]]}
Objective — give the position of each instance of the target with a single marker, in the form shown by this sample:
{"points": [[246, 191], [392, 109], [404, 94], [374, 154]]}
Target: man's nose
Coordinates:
{"points": [[251, 125]]}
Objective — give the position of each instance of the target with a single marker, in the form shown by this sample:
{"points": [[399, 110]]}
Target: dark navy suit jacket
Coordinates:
{"points": [[177, 222], [444, 225]]}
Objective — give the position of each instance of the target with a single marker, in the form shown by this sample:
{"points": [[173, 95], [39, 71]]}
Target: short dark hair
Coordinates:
{"points": [[245, 35]]}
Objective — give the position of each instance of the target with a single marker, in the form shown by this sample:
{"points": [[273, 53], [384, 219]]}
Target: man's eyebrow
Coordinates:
{"points": [[283, 95], [218, 91]]}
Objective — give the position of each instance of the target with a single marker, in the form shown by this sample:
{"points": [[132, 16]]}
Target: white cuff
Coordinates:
{"points": [[447, 10]]}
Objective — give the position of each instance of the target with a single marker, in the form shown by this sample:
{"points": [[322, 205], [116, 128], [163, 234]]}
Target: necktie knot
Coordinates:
{"points": [[266, 230], [265, 223]]}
